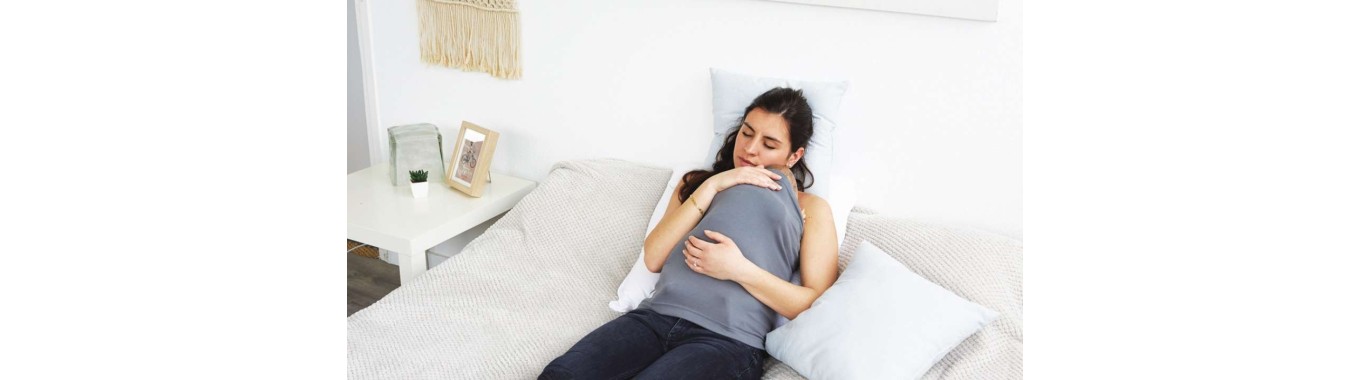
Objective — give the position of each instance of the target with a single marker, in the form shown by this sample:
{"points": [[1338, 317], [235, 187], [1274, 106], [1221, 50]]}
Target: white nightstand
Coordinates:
{"points": [[388, 217]]}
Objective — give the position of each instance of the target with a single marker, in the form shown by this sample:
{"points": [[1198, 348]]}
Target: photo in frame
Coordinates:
{"points": [[470, 167]]}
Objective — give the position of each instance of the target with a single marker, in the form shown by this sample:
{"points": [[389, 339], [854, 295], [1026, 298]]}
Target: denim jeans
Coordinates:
{"points": [[654, 346]]}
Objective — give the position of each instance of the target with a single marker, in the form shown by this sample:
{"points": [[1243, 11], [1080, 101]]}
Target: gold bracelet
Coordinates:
{"points": [[696, 204]]}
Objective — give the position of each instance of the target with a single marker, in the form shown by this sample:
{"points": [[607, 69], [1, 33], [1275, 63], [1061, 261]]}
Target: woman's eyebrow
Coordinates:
{"points": [[744, 123]]}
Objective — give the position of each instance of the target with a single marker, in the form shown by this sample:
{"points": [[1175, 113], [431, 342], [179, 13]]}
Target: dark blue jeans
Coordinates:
{"points": [[649, 345]]}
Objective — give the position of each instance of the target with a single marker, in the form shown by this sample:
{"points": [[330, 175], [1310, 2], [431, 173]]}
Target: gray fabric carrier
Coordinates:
{"points": [[767, 227]]}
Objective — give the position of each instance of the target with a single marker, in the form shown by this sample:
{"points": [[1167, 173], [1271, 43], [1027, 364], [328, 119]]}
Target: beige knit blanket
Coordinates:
{"points": [[472, 35]]}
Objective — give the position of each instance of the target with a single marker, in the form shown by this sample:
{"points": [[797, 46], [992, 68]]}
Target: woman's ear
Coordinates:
{"points": [[794, 157]]}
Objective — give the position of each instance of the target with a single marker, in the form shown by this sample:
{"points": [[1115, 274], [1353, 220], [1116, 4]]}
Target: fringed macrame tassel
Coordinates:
{"points": [[470, 38]]}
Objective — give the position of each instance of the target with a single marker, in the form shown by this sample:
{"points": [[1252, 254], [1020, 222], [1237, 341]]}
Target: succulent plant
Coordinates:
{"points": [[418, 176]]}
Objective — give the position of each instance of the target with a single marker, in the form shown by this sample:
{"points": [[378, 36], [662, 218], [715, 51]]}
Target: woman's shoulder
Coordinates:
{"points": [[812, 203], [807, 197]]}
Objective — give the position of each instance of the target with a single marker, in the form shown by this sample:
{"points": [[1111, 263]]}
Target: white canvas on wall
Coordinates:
{"points": [[985, 10]]}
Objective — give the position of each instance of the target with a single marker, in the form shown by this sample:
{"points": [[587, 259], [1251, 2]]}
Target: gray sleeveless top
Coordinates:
{"points": [[767, 226]]}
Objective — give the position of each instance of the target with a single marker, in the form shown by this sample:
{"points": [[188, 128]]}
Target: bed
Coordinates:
{"points": [[539, 279]]}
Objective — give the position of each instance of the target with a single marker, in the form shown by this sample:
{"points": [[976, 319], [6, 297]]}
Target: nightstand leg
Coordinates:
{"points": [[412, 264]]}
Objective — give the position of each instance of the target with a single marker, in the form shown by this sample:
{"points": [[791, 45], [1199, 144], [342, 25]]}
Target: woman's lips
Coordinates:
{"points": [[745, 162]]}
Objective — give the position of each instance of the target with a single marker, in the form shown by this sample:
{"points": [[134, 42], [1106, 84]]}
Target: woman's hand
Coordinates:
{"points": [[751, 175], [721, 260]]}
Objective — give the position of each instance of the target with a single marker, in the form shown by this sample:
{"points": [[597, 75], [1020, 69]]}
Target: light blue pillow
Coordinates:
{"points": [[878, 321], [733, 92]]}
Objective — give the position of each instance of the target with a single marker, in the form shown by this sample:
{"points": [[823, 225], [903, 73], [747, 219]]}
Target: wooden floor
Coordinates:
{"points": [[368, 277]]}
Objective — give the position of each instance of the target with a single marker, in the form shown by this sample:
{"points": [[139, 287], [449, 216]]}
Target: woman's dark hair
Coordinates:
{"points": [[791, 105]]}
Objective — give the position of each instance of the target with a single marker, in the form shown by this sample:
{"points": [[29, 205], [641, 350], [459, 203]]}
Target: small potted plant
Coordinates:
{"points": [[418, 183]]}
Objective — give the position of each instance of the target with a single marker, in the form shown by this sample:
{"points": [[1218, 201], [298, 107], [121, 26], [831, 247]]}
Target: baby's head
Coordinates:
{"points": [[789, 175]]}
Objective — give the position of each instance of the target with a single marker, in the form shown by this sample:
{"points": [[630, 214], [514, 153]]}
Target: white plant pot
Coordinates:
{"points": [[420, 189]]}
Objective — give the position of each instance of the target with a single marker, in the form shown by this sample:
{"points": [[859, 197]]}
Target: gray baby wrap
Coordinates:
{"points": [[766, 226]]}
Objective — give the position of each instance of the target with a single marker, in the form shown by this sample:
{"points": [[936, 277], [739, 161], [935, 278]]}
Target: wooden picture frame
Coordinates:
{"points": [[470, 168]]}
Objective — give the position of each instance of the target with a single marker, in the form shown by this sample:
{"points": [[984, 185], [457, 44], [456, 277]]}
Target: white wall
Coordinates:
{"points": [[358, 156], [932, 124]]}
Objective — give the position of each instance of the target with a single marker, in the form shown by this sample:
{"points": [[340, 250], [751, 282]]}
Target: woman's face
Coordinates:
{"points": [[764, 140]]}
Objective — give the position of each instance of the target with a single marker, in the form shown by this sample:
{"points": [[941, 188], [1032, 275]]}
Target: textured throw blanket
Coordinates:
{"points": [[537, 281], [524, 291], [472, 35]]}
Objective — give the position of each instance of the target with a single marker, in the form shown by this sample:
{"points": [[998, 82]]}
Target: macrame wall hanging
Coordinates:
{"points": [[472, 35]]}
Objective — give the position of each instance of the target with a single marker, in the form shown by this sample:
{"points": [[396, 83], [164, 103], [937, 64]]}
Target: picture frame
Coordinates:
{"points": [[470, 167]]}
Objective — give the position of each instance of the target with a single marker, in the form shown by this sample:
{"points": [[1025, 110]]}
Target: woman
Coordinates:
{"points": [[714, 328]]}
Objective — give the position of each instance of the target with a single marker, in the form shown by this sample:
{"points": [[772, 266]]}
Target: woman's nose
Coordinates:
{"points": [[751, 146]]}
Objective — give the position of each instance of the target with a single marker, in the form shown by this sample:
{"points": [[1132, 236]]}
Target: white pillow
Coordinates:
{"points": [[733, 92], [640, 282], [878, 321]]}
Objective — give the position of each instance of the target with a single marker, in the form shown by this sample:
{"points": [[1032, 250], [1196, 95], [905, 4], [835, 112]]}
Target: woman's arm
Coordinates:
{"points": [[817, 266], [674, 224], [680, 218]]}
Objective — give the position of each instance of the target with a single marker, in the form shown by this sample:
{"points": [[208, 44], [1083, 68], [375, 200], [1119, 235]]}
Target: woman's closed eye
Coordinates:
{"points": [[749, 135]]}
